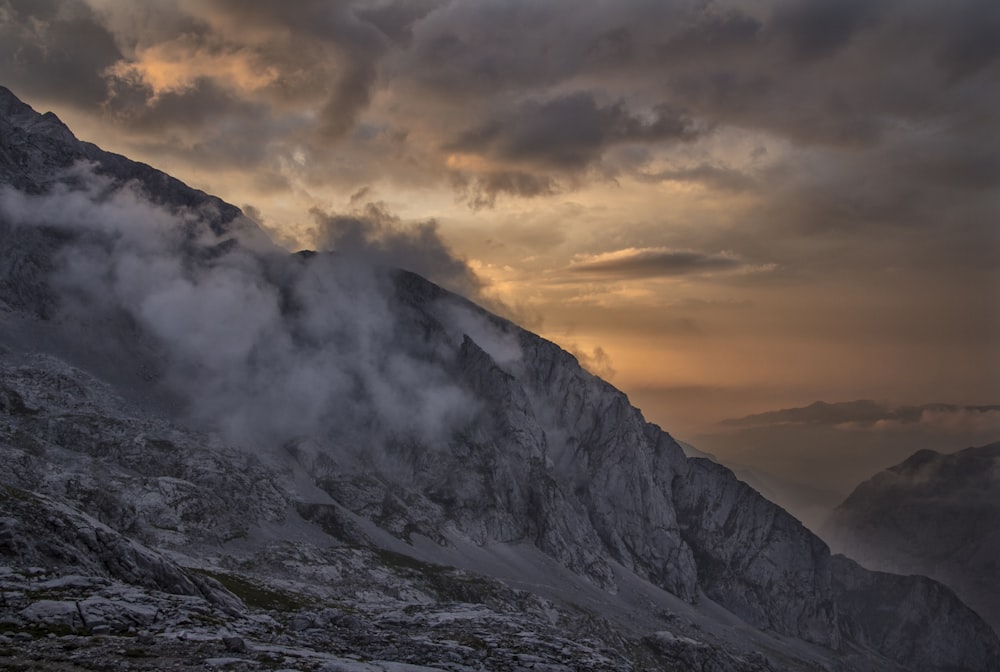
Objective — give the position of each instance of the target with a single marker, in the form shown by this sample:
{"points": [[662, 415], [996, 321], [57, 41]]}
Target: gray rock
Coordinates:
{"points": [[234, 644], [884, 611]]}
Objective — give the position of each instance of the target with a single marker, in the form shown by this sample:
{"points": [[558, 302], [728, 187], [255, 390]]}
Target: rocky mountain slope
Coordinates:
{"points": [[313, 461], [933, 514]]}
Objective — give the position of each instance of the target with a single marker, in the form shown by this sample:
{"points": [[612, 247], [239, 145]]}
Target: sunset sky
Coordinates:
{"points": [[724, 207]]}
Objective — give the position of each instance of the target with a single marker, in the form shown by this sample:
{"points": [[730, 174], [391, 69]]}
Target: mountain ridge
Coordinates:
{"points": [[932, 514], [378, 412]]}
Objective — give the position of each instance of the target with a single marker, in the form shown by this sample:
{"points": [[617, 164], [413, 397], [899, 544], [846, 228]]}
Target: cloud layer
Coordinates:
{"points": [[546, 90], [871, 415]]}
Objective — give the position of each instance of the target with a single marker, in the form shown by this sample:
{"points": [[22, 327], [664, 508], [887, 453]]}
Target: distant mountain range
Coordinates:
{"points": [[935, 515], [863, 412], [216, 453]]}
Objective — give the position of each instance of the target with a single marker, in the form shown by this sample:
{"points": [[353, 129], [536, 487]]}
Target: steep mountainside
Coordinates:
{"points": [[340, 459], [933, 514]]}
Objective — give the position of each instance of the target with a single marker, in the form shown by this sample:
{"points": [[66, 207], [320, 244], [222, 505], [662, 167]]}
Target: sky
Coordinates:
{"points": [[725, 208]]}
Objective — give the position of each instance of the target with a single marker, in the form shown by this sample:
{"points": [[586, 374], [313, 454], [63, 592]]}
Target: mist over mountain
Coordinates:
{"points": [[829, 448], [314, 458], [932, 514]]}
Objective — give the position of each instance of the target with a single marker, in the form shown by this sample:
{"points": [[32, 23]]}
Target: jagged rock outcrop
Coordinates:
{"points": [[886, 611], [618, 467], [754, 557], [38, 151], [38, 532], [377, 410]]}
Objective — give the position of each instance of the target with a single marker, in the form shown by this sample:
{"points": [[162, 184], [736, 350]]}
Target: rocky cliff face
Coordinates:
{"points": [[949, 640], [302, 414], [933, 514], [754, 557]]}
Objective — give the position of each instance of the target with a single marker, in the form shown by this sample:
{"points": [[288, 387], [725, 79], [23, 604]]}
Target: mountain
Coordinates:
{"points": [[935, 515], [217, 453], [811, 505]]}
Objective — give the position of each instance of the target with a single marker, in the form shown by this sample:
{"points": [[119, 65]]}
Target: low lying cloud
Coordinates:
{"points": [[867, 415], [597, 360], [264, 345], [377, 236], [657, 262]]}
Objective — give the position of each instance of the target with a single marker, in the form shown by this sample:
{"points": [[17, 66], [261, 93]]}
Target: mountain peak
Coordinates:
{"points": [[11, 105], [933, 514], [21, 115]]}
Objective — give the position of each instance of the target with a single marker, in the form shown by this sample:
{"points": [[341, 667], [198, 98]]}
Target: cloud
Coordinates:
{"points": [[972, 43], [818, 29], [56, 50], [396, 19], [597, 361], [655, 262], [818, 413], [481, 190], [867, 415], [570, 132], [266, 347], [715, 177], [189, 108], [537, 90], [378, 237], [711, 33]]}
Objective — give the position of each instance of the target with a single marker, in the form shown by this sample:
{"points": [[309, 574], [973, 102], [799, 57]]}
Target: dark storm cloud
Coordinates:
{"points": [[481, 191], [396, 19], [539, 92], [710, 34], [645, 263], [973, 42], [319, 55], [191, 108], [569, 132], [356, 45], [819, 28], [55, 50], [961, 163]]}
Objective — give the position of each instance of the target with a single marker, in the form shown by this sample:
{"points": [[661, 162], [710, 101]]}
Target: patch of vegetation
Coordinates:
{"points": [[471, 641], [257, 596]]}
